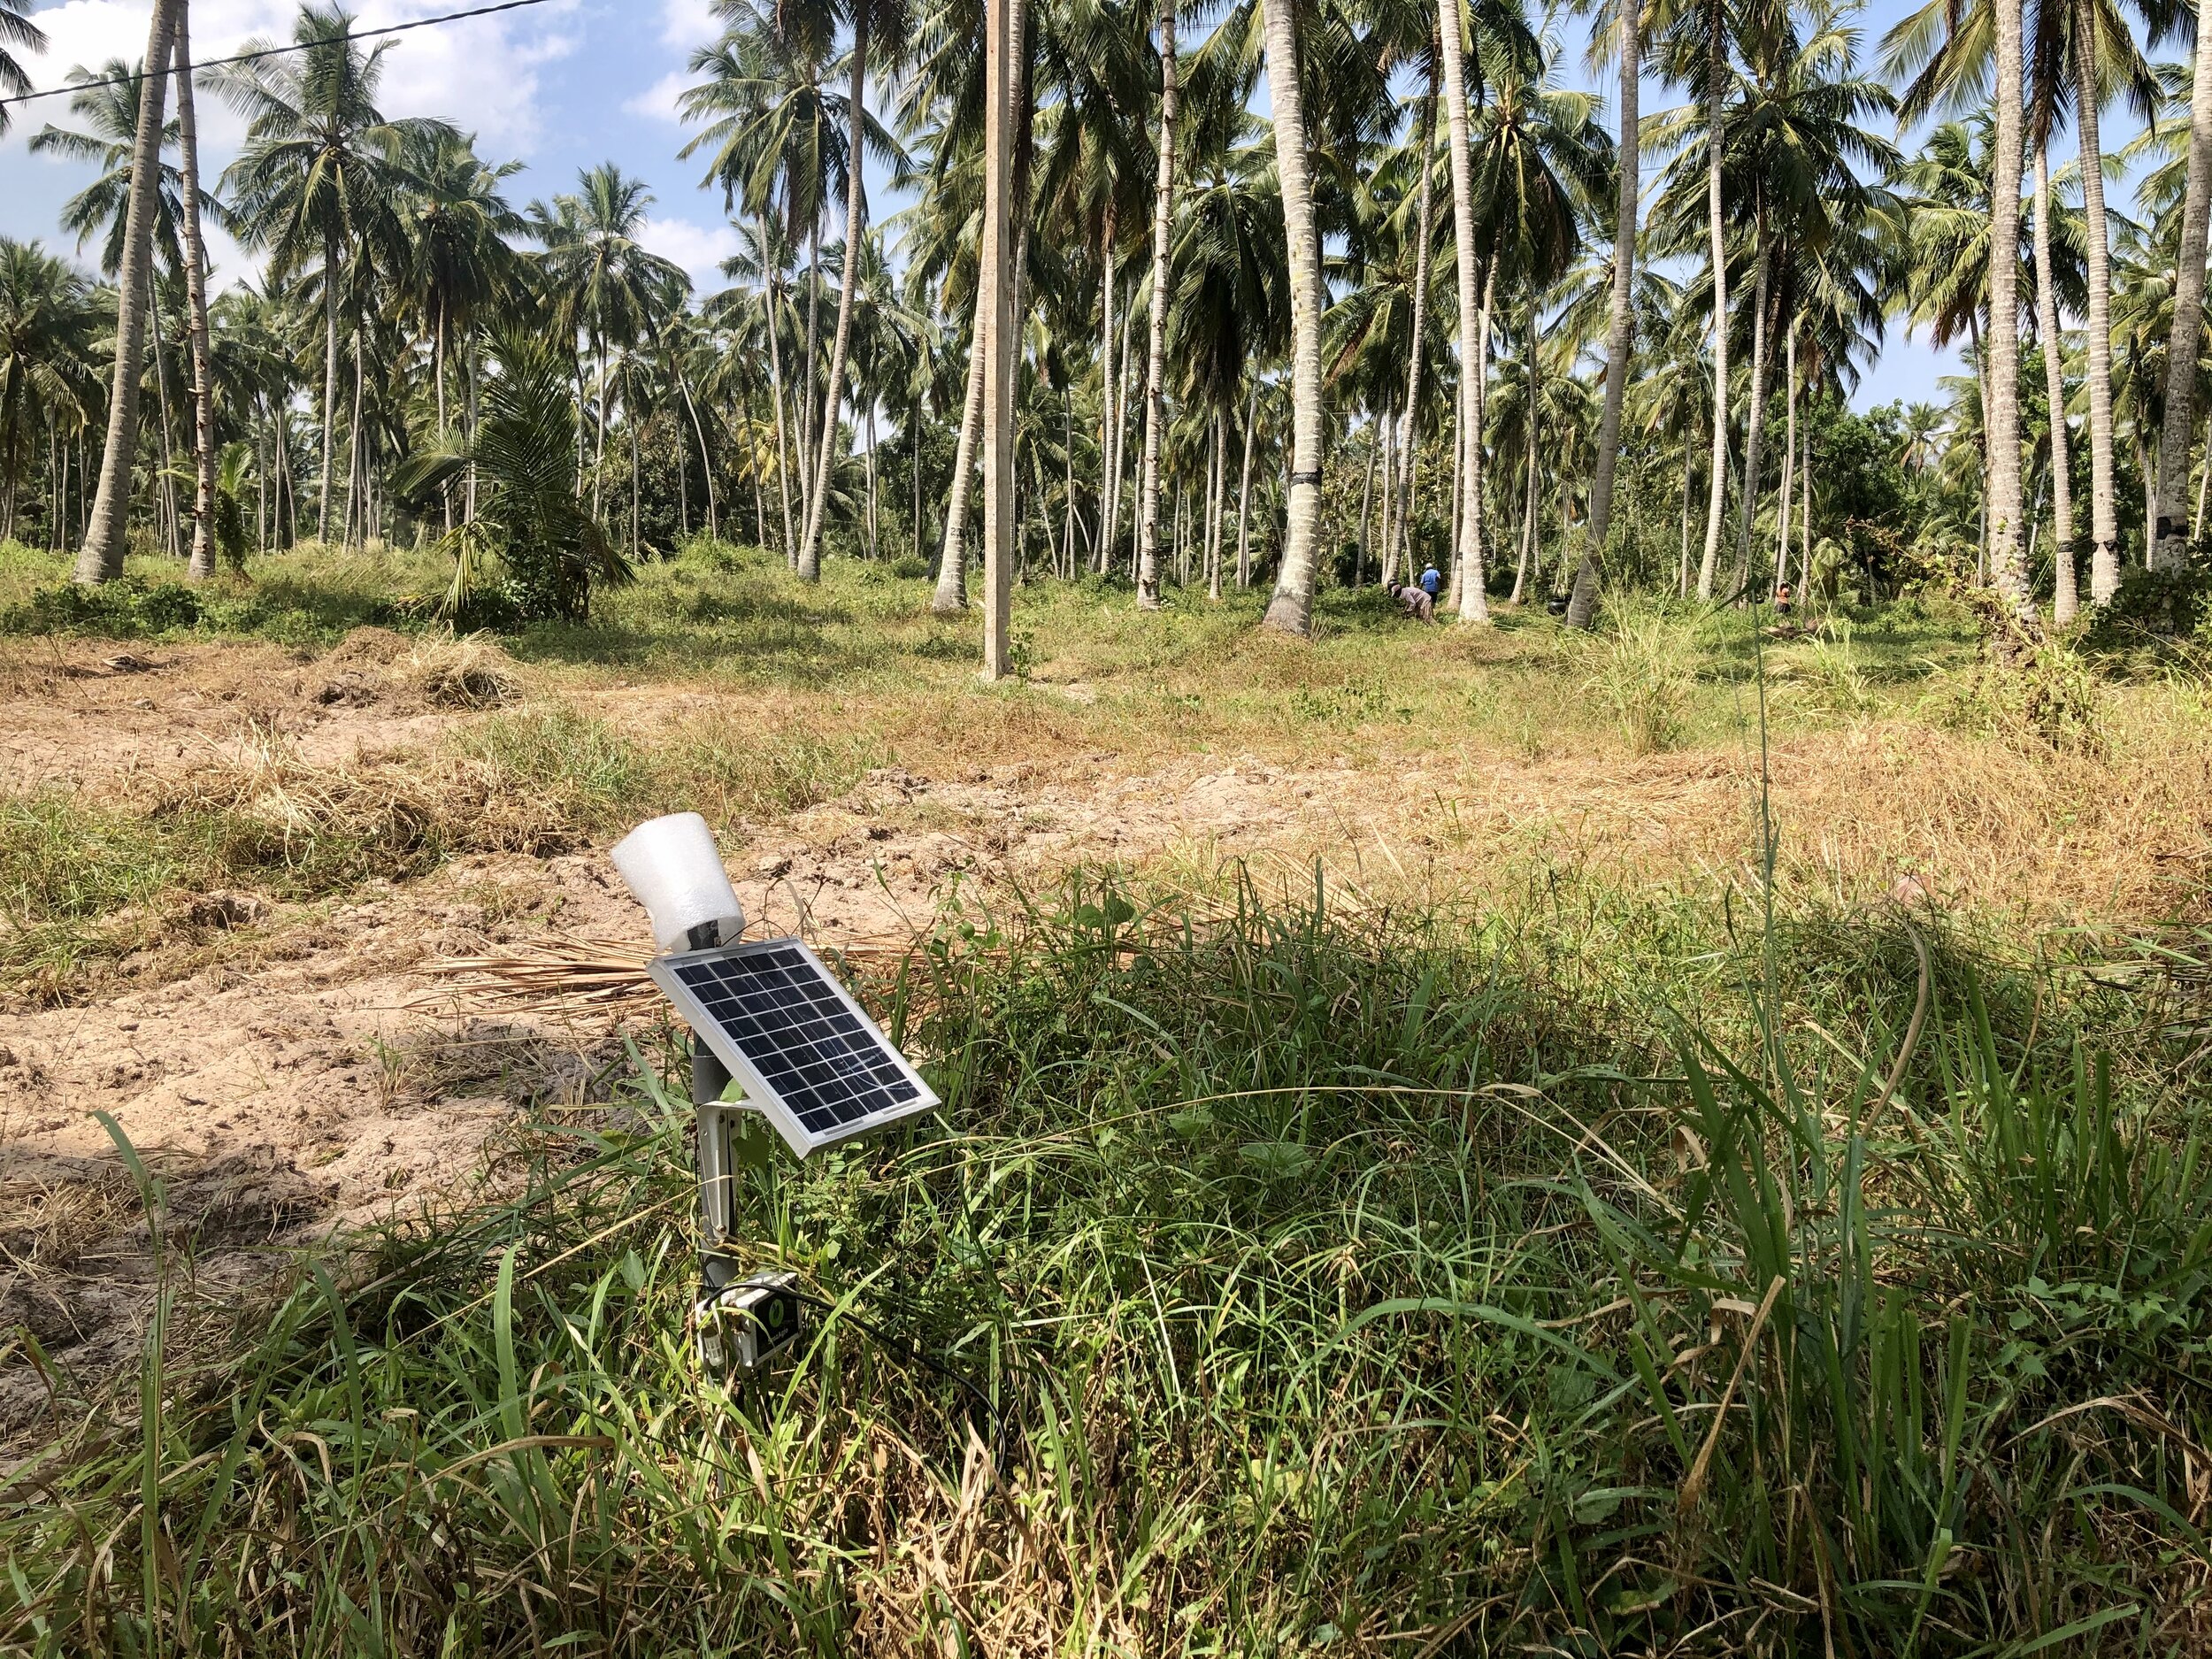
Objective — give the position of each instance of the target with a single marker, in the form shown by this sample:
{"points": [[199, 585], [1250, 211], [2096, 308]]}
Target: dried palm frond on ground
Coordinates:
{"points": [[568, 975]]}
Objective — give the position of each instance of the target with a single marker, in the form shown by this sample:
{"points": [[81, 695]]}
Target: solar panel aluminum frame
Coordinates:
{"points": [[758, 1094]]}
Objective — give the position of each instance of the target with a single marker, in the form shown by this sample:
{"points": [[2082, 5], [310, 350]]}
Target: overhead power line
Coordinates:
{"points": [[280, 51]]}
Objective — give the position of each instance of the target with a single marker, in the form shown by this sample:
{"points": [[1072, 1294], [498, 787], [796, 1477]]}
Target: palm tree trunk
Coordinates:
{"points": [[775, 376], [2008, 555], [1716, 235], [599, 445], [437, 372], [2065, 600], [2104, 557], [996, 335], [1789, 462], [1124, 388], [196, 304], [354, 493], [2168, 548], [1388, 572], [1474, 600], [1620, 333], [165, 485], [811, 550], [952, 572], [1162, 293], [805, 435], [1755, 418], [1106, 228], [1682, 576], [330, 384], [1424, 229], [1805, 515], [1367, 494], [1291, 609], [630, 419], [101, 558], [871, 479], [1221, 491], [1244, 488]]}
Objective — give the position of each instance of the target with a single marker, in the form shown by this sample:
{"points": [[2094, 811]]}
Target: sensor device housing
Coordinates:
{"points": [[741, 1329]]}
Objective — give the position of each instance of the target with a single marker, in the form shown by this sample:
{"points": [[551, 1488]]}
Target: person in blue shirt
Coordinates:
{"points": [[1432, 581]]}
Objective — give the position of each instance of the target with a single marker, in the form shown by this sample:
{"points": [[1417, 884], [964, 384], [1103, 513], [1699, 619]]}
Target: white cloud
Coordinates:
{"points": [[482, 72], [698, 249], [688, 23], [657, 102]]}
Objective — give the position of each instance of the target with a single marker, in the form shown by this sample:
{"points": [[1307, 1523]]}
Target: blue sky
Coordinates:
{"points": [[574, 82]]}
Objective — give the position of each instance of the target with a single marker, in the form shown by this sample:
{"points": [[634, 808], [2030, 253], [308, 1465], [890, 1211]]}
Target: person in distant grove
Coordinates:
{"points": [[1418, 602], [1432, 583]]}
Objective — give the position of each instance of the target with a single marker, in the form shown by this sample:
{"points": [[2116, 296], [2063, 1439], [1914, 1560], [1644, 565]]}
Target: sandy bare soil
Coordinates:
{"points": [[299, 1072]]}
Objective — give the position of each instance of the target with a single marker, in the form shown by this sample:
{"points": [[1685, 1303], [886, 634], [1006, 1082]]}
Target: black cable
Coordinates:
{"points": [[901, 1349], [280, 51]]}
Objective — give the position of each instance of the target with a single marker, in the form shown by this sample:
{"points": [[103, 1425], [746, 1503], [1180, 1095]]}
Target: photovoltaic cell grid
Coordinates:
{"points": [[826, 1065]]}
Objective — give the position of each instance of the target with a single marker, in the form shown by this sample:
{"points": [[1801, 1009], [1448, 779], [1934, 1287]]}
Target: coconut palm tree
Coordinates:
{"points": [[2169, 536], [101, 558], [46, 326], [106, 106], [603, 284], [1155, 355], [1290, 609], [196, 274], [2007, 544], [17, 34], [320, 175], [884, 21], [462, 268], [1617, 34]]}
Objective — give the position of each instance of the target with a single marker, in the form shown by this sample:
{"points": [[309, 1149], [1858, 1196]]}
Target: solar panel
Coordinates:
{"points": [[807, 1055]]}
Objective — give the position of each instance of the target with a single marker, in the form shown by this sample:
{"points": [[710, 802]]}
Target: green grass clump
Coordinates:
{"points": [[1332, 1283]]}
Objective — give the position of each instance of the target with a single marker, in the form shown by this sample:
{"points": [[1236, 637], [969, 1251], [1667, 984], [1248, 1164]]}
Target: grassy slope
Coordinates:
{"points": [[1335, 1279]]}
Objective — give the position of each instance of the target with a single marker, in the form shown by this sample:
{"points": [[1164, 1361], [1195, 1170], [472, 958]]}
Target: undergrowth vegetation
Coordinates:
{"points": [[1378, 1284]]}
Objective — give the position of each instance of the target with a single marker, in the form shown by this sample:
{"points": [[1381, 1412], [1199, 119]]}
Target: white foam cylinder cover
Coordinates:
{"points": [[674, 870]]}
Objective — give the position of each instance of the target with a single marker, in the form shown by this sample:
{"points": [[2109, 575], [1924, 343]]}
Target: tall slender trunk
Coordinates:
{"points": [[1789, 461], [775, 378], [2104, 557], [1682, 576], [1124, 388], [1106, 228], [630, 419], [997, 282], [354, 455], [1367, 496], [2007, 547], [2169, 549], [1620, 333], [1291, 609], [1163, 294], [952, 569], [1244, 488], [1716, 235], [437, 375], [855, 196], [1424, 229], [330, 387], [101, 558], [2065, 600], [1474, 602], [165, 481], [1221, 490], [1388, 572], [871, 479], [195, 307], [1756, 418], [1066, 563], [804, 437], [1805, 515]]}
